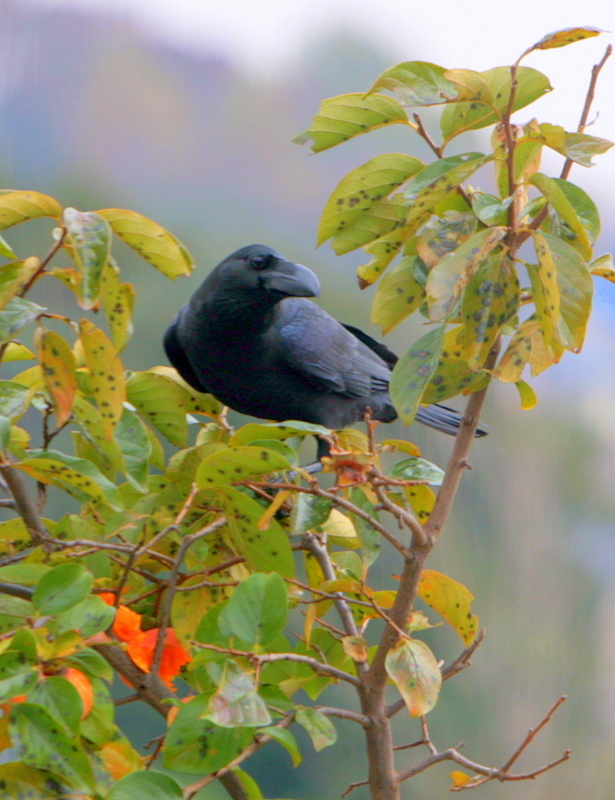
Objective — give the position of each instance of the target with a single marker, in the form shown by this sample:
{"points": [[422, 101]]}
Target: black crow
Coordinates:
{"points": [[249, 337]]}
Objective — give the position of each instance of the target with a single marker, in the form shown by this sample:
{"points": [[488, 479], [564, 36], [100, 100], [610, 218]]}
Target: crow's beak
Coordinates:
{"points": [[292, 280]]}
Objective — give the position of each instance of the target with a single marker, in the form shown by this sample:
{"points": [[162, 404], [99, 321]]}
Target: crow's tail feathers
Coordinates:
{"points": [[444, 419]]}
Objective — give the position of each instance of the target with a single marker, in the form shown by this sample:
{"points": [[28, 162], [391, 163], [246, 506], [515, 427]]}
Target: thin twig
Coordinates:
{"points": [[263, 739], [267, 658], [24, 505], [535, 224], [316, 491], [165, 616]]}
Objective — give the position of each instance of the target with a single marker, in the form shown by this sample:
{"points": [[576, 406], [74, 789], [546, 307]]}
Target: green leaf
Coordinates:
{"points": [[275, 430], [435, 181], [578, 147], [151, 241], [15, 607], [370, 539], [43, 743], [286, 739], [320, 728], [159, 400], [345, 116], [575, 288], [20, 782], [471, 115], [18, 674], [146, 785], [13, 399], [364, 187], [309, 512], [451, 274], [413, 372], [257, 610], [5, 249], [61, 699], [470, 85], [264, 551], [584, 207], [92, 615], [414, 670], [489, 209], [89, 235], [91, 663], [15, 315], [563, 37], [194, 402], [490, 300], [558, 200], [78, 477], [399, 293], [527, 395], [198, 747], [442, 235], [16, 207], [99, 726], [417, 83], [417, 469], [27, 574], [61, 588], [236, 703], [134, 444], [238, 464]]}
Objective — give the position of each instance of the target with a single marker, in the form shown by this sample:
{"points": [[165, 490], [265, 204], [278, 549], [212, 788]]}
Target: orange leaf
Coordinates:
{"points": [[119, 758], [83, 685], [58, 364], [127, 623], [174, 656]]}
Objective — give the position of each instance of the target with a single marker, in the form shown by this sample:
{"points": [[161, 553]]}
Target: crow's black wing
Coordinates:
{"points": [[325, 353], [177, 357]]}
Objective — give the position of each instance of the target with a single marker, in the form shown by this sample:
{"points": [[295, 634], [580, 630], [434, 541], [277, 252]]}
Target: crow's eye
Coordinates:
{"points": [[259, 262]]}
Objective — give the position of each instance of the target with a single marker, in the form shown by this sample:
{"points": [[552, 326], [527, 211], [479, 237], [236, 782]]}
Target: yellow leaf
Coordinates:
{"points": [[151, 241], [401, 445], [15, 351], [459, 778], [422, 499], [355, 647], [118, 299], [450, 599], [414, 670], [564, 37], [58, 365], [106, 374], [16, 207]]}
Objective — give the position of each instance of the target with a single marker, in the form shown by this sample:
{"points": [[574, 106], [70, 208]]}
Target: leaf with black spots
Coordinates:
{"points": [[345, 116]]}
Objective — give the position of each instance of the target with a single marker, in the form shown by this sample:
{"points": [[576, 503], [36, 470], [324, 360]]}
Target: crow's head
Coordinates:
{"points": [[260, 269]]}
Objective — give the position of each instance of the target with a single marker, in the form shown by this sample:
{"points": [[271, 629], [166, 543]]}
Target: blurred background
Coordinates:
{"points": [[185, 112]]}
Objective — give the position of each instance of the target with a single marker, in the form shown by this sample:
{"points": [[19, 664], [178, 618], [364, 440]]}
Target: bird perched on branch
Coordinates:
{"points": [[251, 338]]}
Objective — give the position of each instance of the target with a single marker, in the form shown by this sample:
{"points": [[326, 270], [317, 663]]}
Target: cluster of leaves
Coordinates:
{"points": [[459, 262], [199, 563], [170, 559]]}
